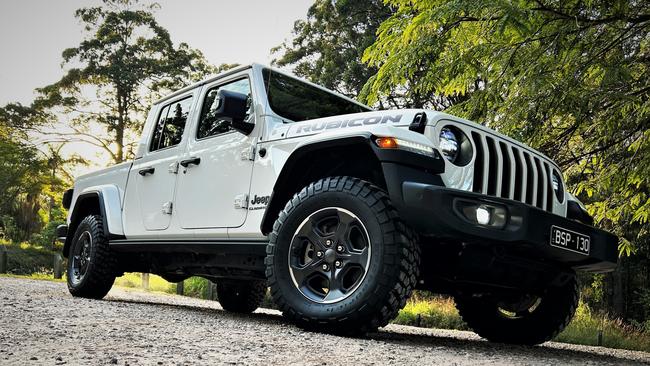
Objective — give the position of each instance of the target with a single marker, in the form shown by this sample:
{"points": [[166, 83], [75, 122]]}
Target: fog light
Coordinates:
{"points": [[483, 214]]}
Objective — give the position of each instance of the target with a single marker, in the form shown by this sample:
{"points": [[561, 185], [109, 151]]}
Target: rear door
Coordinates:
{"points": [[155, 173], [220, 165]]}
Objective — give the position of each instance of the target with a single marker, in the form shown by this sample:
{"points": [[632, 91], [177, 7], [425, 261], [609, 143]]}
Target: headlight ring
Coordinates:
{"points": [[455, 146]]}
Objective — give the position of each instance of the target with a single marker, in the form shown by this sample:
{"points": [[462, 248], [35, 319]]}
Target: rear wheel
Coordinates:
{"points": [[91, 264], [340, 259], [525, 319], [241, 296]]}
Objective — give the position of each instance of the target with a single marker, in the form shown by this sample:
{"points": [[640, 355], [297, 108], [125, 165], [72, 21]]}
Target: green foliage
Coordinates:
{"points": [[156, 283], [128, 59], [27, 259], [431, 312], [196, 287], [585, 326], [22, 178], [440, 312], [569, 78], [328, 45]]}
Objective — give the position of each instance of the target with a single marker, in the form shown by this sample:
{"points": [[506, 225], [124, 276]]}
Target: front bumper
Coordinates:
{"points": [[430, 210]]}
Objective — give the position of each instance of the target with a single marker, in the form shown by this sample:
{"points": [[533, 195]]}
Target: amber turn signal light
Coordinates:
{"points": [[387, 142]]}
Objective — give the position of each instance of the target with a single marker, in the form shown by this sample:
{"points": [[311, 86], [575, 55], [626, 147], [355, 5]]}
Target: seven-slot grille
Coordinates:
{"points": [[506, 170]]}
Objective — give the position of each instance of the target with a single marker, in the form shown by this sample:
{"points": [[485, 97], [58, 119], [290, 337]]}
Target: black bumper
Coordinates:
{"points": [[430, 210]]}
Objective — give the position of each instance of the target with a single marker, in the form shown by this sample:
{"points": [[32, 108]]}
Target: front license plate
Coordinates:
{"points": [[570, 240]]}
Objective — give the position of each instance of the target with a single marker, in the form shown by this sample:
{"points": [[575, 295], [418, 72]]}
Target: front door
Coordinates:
{"points": [[156, 172], [218, 167]]}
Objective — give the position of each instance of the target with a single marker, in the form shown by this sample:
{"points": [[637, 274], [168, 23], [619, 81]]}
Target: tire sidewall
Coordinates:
{"points": [[84, 226], [369, 287]]}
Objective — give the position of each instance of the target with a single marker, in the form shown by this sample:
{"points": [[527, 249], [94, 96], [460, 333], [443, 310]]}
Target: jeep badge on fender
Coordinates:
{"points": [[340, 209]]}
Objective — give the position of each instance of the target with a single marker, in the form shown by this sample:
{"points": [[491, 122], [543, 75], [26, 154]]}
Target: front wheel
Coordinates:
{"points": [[340, 259], [525, 319], [91, 264]]}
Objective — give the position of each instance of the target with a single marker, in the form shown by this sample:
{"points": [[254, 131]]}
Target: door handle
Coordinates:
{"points": [[191, 161], [146, 171]]}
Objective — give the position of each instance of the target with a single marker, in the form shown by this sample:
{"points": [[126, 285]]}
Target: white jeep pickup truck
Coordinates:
{"points": [[255, 179]]}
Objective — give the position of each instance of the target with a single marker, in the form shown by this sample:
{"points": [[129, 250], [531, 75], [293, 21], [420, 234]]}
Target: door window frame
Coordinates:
{"points": [[217, 84], [188, 121]]}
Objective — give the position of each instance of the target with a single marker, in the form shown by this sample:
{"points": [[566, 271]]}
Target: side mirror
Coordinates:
{"points": [[232, 108]]}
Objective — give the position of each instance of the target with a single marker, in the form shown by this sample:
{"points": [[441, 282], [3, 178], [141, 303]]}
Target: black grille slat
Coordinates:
{"points": [[519, 175], [541, 184], [549, 188], [529, 179], [478, 163], [494, 175], [506, 171]]}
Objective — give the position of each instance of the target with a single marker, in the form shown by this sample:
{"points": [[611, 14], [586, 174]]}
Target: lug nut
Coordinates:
{"points": [[326, 267], [319, 254], [339, 248], [337, 264], [328, 242]]}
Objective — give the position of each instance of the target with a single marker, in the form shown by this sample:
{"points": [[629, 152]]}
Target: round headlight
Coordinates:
{"points": [[449, 144], [558, 188]]}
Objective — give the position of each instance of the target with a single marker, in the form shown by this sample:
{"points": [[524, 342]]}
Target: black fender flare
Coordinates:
{"points": [[388, 159], [80, 211]]}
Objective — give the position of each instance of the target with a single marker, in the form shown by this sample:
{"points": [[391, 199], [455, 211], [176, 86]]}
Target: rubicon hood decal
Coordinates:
{"points": [[357, 120], [352, 122]]}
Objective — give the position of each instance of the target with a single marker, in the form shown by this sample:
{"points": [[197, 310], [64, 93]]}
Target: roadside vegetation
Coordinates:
{"points": [[440, 312], [27, 259]]}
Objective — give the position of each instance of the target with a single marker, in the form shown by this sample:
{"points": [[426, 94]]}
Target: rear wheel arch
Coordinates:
{"points": [[89, 203], [349, 156]]}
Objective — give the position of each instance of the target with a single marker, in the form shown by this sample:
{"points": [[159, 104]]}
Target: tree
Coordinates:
{"points": [[127, 60], [327, 47], [22, 177], [570, 78]]}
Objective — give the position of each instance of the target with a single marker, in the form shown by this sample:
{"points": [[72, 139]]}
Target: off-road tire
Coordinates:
{"points": [[393, 268], [552, 315], [100, 274], [241, 296]]}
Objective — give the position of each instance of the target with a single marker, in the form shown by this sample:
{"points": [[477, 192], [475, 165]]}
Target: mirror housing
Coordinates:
{"points": [[232, 108]]}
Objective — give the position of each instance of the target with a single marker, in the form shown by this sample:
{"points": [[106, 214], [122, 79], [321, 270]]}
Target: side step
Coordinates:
{"points": [[223, 247]]}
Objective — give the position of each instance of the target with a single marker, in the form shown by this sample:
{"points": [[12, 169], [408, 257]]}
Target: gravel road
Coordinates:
{"points": [[41, 323]]}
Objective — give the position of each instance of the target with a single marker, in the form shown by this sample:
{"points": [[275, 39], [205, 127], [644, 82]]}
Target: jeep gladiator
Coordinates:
{"points": [[256, 179]]}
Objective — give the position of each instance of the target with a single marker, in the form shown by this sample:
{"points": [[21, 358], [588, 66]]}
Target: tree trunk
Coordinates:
{"points": [[618, 293]]}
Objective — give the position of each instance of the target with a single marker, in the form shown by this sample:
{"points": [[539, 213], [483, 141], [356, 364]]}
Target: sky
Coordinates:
{"points": [[33, 33]]}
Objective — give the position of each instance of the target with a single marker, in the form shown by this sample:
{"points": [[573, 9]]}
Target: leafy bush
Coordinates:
{"points": [[428, 311], [25, 259], [196, 287], [585, 326]]}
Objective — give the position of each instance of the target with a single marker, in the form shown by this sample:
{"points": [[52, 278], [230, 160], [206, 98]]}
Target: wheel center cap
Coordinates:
{"points": [[330, 255]]}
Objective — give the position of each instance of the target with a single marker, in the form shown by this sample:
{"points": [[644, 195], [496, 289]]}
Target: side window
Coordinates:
{"points": [[171, 124], [209, 125]]}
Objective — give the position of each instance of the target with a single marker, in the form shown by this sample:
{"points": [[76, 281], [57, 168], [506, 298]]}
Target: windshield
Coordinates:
{"points": [[295, 100]]}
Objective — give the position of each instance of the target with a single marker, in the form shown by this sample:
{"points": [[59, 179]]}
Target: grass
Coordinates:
{"points": [[584, 330], [35, 276], [156, 283], [431, 312], [440, 312], [193, 286]]}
